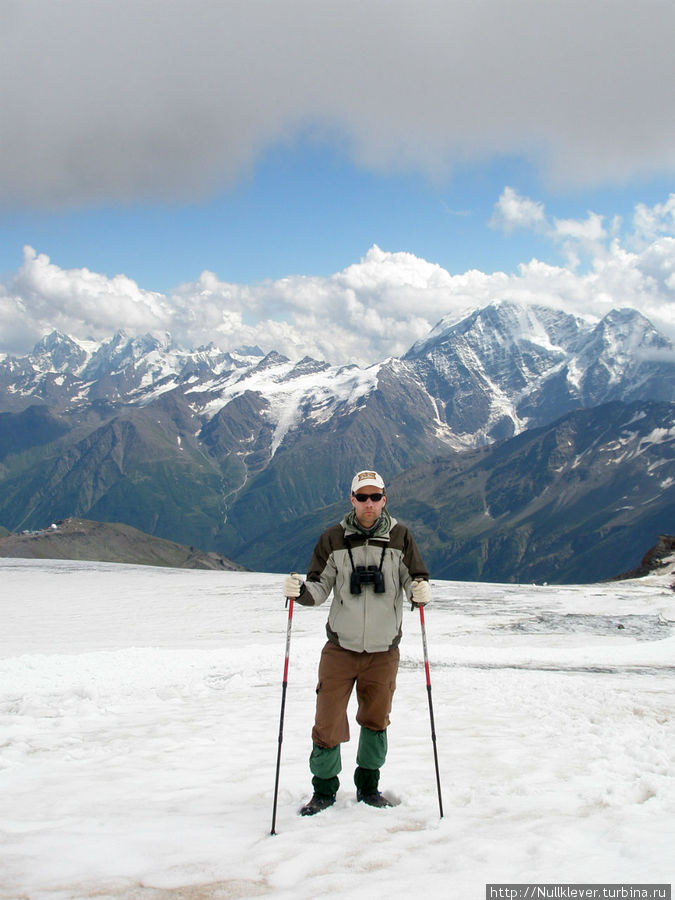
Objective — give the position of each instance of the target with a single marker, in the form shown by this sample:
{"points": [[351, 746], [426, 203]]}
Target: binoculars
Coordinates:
{"points": [[362, 575]]}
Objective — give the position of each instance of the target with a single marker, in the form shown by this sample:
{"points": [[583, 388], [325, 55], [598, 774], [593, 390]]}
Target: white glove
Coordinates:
{"points": [[292, 585], [421, 593]]}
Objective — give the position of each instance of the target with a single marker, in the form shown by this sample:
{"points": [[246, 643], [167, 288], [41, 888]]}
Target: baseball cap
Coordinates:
{"points": [[367, 478]]}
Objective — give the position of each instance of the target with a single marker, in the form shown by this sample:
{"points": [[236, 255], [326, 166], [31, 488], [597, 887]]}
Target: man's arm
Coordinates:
{"points": [[322, 571]]}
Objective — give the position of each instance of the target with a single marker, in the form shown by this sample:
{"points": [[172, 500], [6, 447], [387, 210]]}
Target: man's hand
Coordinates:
{"points": [[292, 585], [421, 593]]}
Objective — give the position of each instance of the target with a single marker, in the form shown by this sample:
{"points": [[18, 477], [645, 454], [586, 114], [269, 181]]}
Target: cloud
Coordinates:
{"points": [[130, 100], [66, 298], [577, 237], [651, 221], [373, 309], [590, 230], [515, 211]]}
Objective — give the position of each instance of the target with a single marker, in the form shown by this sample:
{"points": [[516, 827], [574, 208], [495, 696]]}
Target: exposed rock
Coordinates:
{"points": [[661, 555], [108, 542]]}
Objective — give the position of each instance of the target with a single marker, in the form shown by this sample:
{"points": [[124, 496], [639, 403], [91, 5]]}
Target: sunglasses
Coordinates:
{"points": [[362, 498]]}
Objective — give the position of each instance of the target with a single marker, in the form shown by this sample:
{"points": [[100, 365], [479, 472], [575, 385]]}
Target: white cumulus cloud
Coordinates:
{"points": [[590, 229], [375, 308], [512, 210]]}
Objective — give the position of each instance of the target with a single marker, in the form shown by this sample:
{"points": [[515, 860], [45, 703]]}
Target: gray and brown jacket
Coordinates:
{"points": [[368, 621]]}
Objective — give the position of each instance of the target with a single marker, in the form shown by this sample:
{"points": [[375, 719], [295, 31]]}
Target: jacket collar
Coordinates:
{"points": [[379, 531]]}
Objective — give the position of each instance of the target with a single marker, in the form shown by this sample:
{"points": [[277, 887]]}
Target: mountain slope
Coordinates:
{"points": [[560, 503], [140, 466], [108, 542], [507, 368]]}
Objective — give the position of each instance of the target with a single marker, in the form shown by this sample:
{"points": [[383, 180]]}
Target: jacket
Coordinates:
{"points": [[367, 621]]}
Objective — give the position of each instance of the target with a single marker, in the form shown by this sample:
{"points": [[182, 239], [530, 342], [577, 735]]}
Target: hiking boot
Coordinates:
{"points": [[317, 804], [376, 799]]}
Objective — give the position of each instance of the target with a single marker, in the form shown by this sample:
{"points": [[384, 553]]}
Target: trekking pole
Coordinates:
{"points": [[289, 604], [431, 708]]}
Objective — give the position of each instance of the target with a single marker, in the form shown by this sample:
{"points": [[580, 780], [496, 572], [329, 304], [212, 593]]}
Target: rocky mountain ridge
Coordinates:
{"points": [[494, 373]]}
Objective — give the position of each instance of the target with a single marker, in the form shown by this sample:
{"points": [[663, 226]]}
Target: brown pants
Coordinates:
{"points": [[339, 670]]}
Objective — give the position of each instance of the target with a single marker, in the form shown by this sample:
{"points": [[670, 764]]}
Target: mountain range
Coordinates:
{"points": [[515, 440]]}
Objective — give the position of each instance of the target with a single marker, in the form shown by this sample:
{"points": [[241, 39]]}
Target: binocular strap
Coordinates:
{"points": [[351, 558]]}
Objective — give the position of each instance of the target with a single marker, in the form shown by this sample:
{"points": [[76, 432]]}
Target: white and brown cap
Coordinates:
{"points": [[367, 478]]}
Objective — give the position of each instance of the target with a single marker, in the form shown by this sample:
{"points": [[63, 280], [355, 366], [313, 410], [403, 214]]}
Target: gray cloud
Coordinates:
{"points": [[137, 99]]}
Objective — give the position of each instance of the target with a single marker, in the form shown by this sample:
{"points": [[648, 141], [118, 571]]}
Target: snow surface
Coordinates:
{"points": [[139, 717]]}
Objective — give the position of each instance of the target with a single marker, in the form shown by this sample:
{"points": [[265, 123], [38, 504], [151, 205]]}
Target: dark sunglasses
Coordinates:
{"points": [[374, 497]]}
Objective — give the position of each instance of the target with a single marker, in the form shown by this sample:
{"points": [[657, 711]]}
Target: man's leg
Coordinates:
{"points": [[337, 674], [375, 688], [370, 758], [325, 765]]}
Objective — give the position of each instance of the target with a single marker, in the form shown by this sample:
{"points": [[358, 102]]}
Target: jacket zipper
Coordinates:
{"points": [[366, 544]]}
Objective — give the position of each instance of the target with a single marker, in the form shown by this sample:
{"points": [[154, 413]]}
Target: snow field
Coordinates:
{"points": [[139, 714]]}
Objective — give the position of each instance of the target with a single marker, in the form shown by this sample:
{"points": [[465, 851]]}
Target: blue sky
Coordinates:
{"points": [[273, 143], [307, 209]]}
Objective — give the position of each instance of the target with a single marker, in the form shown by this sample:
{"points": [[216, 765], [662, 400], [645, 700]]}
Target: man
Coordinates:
{"points": [[372, 565]]}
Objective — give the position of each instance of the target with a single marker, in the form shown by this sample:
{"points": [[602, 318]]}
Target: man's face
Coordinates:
{"points": [[367, 509]]}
